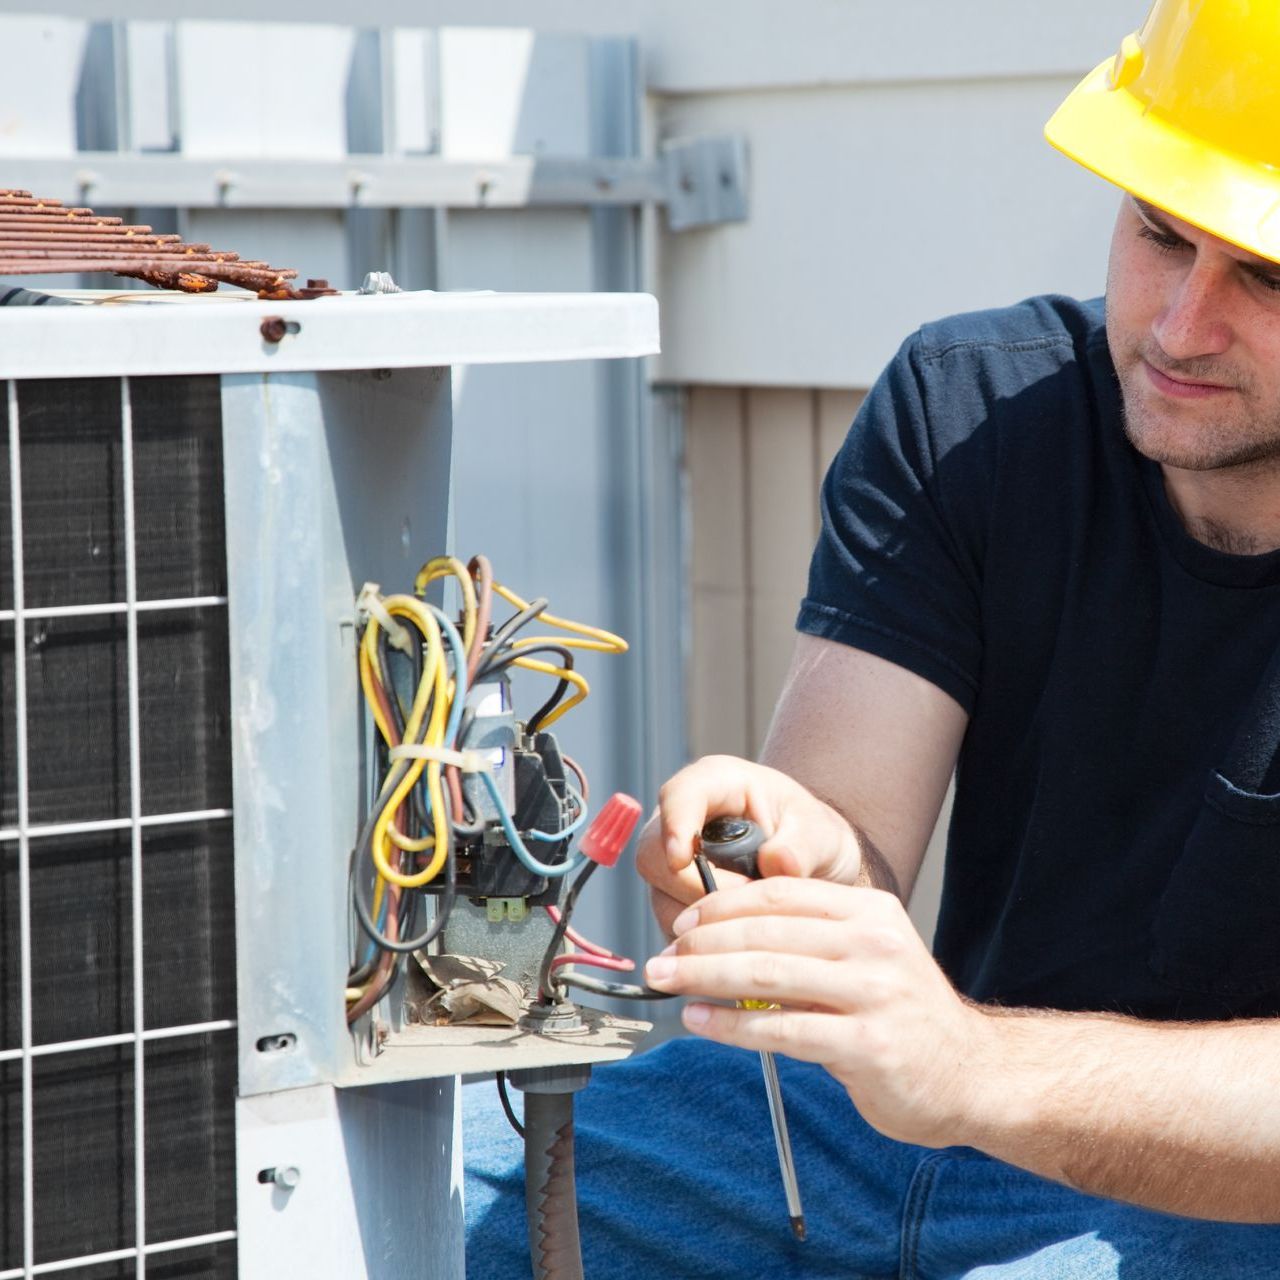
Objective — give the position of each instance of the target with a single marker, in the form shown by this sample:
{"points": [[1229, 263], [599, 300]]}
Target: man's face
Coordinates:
{"points": [[1194, 329]]}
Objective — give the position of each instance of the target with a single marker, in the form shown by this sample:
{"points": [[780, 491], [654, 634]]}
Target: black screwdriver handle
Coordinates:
{"points": [[731, 843]]}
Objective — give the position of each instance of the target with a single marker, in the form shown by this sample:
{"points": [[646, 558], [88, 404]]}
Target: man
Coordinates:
{"points": [[1051, 553]]}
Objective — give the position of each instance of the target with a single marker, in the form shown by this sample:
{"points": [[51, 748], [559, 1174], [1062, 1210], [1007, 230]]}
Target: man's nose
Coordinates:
{"points": [[1193, 321]]}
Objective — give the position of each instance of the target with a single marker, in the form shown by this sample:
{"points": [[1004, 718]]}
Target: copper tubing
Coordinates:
{"points": [[39, 237], [39, 229], [151, 253], [174, 273]]}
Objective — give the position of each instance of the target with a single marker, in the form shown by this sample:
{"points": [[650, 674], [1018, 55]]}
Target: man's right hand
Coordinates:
{"points": [[805, 836]]}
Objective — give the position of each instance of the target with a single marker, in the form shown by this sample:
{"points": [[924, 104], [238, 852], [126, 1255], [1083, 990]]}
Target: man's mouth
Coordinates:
{"points": [[1182, 388]]}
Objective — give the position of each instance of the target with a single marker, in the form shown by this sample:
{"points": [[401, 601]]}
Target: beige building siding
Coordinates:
{"points": [[755, 458]]}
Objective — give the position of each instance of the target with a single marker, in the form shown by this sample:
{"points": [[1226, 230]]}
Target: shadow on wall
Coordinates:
{"points": [[755, 459]]}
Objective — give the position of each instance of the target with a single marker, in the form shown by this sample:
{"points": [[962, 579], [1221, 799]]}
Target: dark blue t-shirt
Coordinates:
{"points": [[988, 526]]}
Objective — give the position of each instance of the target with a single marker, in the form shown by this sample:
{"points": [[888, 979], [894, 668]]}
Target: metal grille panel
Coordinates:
{"points": [[117, 1002]]}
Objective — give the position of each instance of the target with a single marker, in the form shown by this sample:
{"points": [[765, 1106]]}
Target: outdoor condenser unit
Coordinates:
{"points": [[194, 491]]}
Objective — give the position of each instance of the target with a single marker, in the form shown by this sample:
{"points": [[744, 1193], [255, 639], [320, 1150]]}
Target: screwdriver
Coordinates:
{"points": [[733, 843]]}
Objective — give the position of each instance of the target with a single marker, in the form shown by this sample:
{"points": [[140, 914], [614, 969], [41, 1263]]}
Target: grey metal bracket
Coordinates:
{"points": [[706, 181], [702, 181]]}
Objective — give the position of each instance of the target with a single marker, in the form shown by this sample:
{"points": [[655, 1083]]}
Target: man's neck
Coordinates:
{"points": [[1235, 512]]}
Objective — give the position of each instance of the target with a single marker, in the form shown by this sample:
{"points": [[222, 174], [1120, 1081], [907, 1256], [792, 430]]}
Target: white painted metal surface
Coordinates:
{"points": [[873, 209], [38, 90], [287, 116], [718, 45], [353, 1213], [383, 331]]}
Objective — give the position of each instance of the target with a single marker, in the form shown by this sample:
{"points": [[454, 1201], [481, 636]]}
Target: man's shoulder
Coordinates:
{"points": [[1048, 322]]}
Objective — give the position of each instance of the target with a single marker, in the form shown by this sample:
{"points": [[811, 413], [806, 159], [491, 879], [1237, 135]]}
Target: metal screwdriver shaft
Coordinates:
{"points": [[732, 843], [782, 1140]]}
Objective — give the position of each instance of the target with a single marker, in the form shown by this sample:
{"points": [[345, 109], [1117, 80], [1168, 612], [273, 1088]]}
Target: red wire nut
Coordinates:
{"points": [[609, 832]]}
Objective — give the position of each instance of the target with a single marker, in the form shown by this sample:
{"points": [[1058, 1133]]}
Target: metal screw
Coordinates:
{"points": [[274, 328], [286, 1177]]}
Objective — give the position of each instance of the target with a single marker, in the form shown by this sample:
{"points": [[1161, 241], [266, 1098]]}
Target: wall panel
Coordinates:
{"points": [[755, 458]]}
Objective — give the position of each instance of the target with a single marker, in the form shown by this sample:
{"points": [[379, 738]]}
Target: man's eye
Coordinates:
{"points": [[1166, 244], [1269, 282]]}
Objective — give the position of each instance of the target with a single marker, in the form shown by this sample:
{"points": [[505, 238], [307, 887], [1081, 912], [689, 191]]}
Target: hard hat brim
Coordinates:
{"points": [[1113, 133]]}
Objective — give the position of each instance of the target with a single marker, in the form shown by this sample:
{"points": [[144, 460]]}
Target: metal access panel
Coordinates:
{"points": [[192, 509]]}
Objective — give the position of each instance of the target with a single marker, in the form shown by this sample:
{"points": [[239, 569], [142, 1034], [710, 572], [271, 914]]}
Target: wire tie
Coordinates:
{"points": [[369, 602], [466, 761]]}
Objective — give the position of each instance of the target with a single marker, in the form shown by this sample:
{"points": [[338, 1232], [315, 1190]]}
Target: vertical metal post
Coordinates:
{"points": [[24, 842], [135, 825]]}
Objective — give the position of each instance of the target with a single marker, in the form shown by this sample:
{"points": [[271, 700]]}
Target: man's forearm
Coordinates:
{"points": [[1181, 1117]]}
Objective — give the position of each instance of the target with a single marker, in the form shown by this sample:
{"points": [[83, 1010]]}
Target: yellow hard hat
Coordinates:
{"points": [[1187, 117]]}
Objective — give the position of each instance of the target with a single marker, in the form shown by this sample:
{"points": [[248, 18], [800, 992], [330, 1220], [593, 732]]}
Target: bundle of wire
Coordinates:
{"points": [[419, 815]]}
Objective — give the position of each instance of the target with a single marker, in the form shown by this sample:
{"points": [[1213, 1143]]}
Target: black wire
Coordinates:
{"points": [[618, 990], [362, 908], [501, 664], [504, 633], [384, 676], [548, 983], [495, 665], [356, 977], [501, 1078]]}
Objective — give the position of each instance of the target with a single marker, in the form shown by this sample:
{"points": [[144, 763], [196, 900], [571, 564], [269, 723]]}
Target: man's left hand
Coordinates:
{"points": [[857, 992]]}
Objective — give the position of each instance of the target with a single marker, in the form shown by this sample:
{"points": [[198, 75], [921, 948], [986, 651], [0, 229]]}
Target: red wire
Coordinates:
{"points": [[601, 962], [591, 948]]}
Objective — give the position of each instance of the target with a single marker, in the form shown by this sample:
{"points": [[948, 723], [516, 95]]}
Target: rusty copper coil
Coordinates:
{"points": [[45, 237]]}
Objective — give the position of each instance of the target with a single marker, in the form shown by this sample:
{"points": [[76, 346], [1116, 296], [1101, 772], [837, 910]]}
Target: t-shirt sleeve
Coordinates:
{"points": [[896, 571]]}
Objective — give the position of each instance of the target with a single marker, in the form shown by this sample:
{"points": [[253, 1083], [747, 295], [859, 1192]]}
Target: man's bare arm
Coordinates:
{"points": [[877, 743], [854, 772], [1177, 1117]]}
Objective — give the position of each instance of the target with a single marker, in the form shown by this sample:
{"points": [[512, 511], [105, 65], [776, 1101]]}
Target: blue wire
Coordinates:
{"points": [[527, 860], [552, 836], [459, 675]]}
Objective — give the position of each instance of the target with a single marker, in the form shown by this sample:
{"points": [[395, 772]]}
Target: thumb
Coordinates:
{"points": [[809, 849], [791, 851]]}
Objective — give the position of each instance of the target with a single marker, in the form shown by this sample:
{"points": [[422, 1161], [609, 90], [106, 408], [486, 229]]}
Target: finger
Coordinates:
{"points": [[756, 975], [707, 788], [807, 1036], [789, 896], [822, 939], [652, 865], [666, 910], [679, 887]]}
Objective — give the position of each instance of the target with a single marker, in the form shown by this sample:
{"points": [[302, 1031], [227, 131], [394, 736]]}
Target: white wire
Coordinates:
{"points": [[135, 824]]}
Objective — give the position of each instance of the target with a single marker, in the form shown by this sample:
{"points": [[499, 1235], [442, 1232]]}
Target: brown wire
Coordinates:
{"points": [[385, 971], [582, 777]]}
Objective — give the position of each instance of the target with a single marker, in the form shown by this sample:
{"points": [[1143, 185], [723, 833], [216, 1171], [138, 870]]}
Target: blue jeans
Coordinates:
{"points": [[677, 1178]]}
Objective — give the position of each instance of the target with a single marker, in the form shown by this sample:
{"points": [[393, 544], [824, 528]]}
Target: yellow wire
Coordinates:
{"points": [[432, 688], [562, 673], [436, 690], [449, 566], [598, 639]]}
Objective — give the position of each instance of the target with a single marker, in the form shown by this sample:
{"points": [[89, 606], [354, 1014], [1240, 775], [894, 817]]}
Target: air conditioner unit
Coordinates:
{"points": [[195, 491]]}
